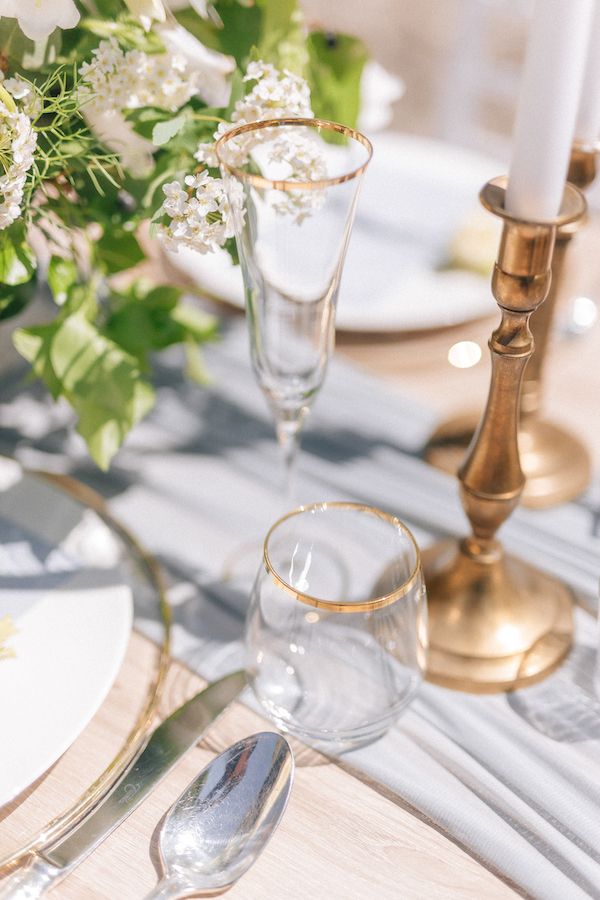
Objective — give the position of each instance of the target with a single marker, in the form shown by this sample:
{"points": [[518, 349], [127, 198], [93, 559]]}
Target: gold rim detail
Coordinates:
{"points": [[282, 185], [348, 606]]}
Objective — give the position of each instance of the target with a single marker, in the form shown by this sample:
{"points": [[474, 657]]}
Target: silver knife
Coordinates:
{"points": [[166, 745]]}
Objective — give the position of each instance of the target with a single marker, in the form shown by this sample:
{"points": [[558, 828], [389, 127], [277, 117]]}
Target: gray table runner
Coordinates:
{"points": [[513, 778]]}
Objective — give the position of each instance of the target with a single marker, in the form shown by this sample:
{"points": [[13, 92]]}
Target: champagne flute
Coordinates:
{"points": [[293, 195]]}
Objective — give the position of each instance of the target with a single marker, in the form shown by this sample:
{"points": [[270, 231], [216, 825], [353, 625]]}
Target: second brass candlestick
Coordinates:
{"points": [[556, 464], [497, 623]]}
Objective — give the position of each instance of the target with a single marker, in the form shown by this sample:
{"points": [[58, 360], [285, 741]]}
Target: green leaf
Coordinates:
{"points": [[102, 383], [197, 324], [336, 66], [17, 261], [164, 131], [14, 299], [195, 368], [62, 275], [274, 27], [144, 120], [144, 322], [118, 249], [12, 40]]}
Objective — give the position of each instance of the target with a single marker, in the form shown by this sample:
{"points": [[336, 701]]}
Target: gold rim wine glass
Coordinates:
{"points": [[336, 635], [293, 187]]}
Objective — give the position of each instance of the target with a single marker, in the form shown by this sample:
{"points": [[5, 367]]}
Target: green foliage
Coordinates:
{"points": [[13, 300], [17, 261], [335, 69], [21, 51], [62, 275], [118, 249], [99, 379], [97, 351], [272, 30], [145, 321]]}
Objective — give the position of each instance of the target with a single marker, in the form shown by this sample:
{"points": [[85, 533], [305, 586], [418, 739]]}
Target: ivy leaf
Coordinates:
{"points": [[62, 275], [335, 71], [14, 299], [102, 383], [142, 323], [118, 249], [145, 120], [17, 262], [164, 131]]}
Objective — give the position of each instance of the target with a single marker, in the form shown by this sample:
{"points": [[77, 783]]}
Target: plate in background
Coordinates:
{"points": [[417, 194]]}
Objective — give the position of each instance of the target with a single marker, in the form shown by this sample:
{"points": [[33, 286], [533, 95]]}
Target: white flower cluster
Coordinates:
{"points": [[115, 79], [276, 95], [203, 216], [204, 219], [305, 162], [17, 145]]}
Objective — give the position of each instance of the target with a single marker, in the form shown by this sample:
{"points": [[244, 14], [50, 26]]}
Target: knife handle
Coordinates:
{"points": [[31, 880]]}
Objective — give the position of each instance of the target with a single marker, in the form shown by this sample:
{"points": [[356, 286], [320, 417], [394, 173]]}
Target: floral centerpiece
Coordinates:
{"points": [[108, 114]]}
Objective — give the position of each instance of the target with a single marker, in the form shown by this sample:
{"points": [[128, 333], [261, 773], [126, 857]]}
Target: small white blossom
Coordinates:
{"points": [[276, 95], [304, 159], [38, 20], [147, 11], [202, 217], [29, 100], [210, 71], [116, 80], [17, 140]]}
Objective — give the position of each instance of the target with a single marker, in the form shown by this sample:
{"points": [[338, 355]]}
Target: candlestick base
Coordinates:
{"points": [[556, 465], [495, 623]]}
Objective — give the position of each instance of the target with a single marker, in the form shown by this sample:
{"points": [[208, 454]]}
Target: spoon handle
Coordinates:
{"points": [[165, 890]]}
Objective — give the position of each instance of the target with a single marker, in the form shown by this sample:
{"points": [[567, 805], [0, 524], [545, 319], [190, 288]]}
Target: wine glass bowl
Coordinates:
{"points": [[336, 634]]}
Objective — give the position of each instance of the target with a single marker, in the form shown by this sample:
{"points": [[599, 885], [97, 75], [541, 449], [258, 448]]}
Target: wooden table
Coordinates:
{"points": [[342, 838]]}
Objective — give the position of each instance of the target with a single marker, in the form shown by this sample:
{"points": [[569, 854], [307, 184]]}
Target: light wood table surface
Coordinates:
{"points": [[342, 838]]}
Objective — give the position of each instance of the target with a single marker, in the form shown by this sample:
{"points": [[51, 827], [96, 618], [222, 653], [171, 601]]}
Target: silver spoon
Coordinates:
{"points": [[221, 823]]}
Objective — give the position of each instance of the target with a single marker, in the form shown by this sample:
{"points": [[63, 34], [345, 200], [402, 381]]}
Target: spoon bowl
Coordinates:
{"points": [[221, 823]]}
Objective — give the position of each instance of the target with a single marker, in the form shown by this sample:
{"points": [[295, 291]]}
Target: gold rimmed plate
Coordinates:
{"points": [[81, 688]]}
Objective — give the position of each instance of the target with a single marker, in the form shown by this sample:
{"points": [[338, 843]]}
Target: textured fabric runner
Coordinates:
{"points": [[514, 778]]}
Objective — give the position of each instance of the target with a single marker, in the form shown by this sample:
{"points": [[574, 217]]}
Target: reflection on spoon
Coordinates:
{"points": [[221, 823]]}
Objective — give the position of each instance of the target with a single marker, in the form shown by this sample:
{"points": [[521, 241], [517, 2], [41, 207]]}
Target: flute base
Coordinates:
{"points": [[495, 623], [556, 465]]}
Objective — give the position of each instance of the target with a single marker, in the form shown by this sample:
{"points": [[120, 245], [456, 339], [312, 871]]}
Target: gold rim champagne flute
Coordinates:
{"points": [[293, 186]]}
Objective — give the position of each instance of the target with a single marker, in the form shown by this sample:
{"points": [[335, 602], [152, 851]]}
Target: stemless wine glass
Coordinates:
{"points": [[336, 635], [299, 196]]}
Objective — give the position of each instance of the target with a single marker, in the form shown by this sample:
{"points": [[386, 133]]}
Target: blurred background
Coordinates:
{"points": [[459, 60]]}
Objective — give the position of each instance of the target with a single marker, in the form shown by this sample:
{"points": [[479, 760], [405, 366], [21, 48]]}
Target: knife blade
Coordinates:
{"points": [[165, 746]]}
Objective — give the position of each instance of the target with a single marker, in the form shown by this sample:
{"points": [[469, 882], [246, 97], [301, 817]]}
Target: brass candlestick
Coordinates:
{"points": [[497, 623], [556, 464]]}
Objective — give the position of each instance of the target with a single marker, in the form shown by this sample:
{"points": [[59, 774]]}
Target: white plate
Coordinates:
{"points": [[59, 581], [416, 195]]}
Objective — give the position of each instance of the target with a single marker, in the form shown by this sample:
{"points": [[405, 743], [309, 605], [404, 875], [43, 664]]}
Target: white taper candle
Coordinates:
{"points": [[587, 124], [548, 101]]}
